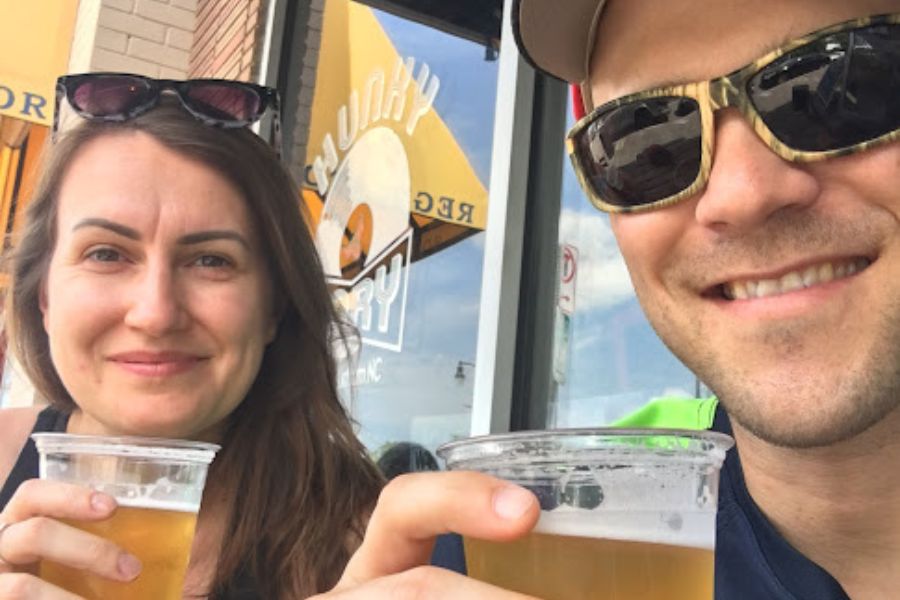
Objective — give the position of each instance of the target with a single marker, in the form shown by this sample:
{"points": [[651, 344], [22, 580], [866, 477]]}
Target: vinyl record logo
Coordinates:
{"points": [[364, 237]]}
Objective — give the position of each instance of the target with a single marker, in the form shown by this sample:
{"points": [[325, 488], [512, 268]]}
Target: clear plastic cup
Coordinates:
{"points": [[624, 513], [158, 485]]}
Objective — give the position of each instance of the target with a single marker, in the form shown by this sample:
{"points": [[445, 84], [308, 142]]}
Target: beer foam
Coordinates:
{"points": [[153, 504], [696, 529]]}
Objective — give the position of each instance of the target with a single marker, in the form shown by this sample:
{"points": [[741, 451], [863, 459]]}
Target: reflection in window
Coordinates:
{"points": [[397, 167], [608, 361]]}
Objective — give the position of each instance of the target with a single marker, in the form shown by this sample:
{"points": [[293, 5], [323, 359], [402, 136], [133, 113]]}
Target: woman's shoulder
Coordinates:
{"points": [[16, 424]]}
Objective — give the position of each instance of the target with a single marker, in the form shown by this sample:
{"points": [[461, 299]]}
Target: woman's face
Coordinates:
{"points": [[157, 302]]}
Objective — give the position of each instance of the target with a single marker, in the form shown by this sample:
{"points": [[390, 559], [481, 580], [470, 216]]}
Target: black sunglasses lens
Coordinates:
{"points": [[228, 102], [113, 95], [833, 93], [643, 151]]}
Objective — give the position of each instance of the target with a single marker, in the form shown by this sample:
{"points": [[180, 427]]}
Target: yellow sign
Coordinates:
{"points": [[35, 39], [366, 93], [386, 181]]}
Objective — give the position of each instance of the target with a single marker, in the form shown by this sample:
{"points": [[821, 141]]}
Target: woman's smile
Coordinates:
{"points": [[157, 364]]}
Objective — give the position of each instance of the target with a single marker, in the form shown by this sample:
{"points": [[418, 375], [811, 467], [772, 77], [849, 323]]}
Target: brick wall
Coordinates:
{"points": [[305, 88], [228, 39], [148, 37]]}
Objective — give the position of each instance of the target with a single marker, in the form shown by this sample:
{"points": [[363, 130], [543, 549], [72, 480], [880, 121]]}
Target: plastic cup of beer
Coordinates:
{"points": [[158, 485], [624, 513]]}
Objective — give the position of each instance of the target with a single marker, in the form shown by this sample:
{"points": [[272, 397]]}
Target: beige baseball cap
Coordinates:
{"points": [[557, 36]]}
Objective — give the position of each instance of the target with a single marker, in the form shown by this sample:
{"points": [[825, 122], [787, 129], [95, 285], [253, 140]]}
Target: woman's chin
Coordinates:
{"points": [[162, 424]]}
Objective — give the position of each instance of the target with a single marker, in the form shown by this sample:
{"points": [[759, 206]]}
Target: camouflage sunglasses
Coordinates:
{"points": [[830, 93], [118, 97]]}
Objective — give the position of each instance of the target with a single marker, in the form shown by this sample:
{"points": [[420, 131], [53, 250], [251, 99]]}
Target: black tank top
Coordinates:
{"points": [[26, 467]]}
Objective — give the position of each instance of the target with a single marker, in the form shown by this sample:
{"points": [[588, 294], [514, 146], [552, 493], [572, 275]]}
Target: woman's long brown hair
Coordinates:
{"points": [[297, 481]]}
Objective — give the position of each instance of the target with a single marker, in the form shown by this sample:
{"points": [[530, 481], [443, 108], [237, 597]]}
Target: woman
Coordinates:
{"points": [[166, 285]]}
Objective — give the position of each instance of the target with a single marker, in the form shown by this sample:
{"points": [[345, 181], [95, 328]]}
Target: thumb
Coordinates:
{"points": [[413, 509]]}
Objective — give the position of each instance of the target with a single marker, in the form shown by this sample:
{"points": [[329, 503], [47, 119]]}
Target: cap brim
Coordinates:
{"points": [[554, 39]]}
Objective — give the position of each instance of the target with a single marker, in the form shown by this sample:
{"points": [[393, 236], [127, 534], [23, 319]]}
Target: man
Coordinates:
{"points": [[771, 268]]}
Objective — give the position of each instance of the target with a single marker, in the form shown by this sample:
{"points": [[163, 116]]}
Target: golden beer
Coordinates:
{"points": [[626, 514], [563, 567], [160, 537]]}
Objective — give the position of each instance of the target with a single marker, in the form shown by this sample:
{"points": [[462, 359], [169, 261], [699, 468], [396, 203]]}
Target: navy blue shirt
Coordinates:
{"points": [[753, 561]]}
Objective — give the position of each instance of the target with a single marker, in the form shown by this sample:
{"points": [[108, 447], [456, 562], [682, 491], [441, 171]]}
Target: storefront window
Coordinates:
{"points": [[608, 361], [398, 161]]}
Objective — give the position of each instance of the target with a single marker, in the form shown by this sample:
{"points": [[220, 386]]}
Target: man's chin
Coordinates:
{"points": [[820, 426]]}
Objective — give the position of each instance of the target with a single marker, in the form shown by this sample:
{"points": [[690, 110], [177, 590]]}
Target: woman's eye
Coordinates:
{"points": [[104, 255], [212, 261]]}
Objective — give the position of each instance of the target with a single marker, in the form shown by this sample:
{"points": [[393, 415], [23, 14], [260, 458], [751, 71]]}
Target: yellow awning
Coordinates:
{"points": [[35, 39], [380, 159]]}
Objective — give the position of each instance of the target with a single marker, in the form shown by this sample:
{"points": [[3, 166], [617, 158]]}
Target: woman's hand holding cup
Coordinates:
{"points": [[32, 530]]}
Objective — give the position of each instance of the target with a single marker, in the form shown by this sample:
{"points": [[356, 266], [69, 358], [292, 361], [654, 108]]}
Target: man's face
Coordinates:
{"points": [[798, 368]]}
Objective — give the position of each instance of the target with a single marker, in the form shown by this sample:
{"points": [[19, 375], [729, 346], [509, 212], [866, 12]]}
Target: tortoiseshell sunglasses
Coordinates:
{"points": [[831, 93], [118, 97]]}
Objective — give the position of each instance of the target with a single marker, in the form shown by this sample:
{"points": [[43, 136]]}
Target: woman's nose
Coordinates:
{"points": [[749, 183], [156, 307]]}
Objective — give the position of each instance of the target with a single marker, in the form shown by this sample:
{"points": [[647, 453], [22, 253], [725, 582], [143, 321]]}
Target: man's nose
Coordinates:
{"points": [[749, 183], [156, 306]]}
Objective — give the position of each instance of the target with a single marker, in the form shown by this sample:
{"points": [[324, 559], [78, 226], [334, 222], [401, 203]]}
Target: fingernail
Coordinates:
{"points": [[129, 566], [102, 503], [511, 502]]}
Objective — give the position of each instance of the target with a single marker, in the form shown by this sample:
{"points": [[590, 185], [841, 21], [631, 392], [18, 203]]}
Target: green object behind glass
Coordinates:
{"points": [[672, 412]]}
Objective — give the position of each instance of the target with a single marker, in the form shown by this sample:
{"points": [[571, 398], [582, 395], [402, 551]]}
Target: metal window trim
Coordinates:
{"points": [[270, 54], [534, 387], [504, 239]]}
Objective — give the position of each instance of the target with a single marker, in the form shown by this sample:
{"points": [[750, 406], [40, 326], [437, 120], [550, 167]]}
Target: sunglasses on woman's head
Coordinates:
{"points": [[116, 97], [831, 93]]}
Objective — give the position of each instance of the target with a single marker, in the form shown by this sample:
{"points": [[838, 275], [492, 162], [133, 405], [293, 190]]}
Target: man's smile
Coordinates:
{"points": [[815, 274]]}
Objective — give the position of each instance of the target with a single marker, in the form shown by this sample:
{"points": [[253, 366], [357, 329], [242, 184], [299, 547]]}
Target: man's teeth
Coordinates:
{"points": [[795, 280]]}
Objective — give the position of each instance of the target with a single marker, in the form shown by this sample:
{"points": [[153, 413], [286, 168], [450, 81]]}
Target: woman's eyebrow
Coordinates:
{"points": [[213, 234], [122, 230], [186, 240]]}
